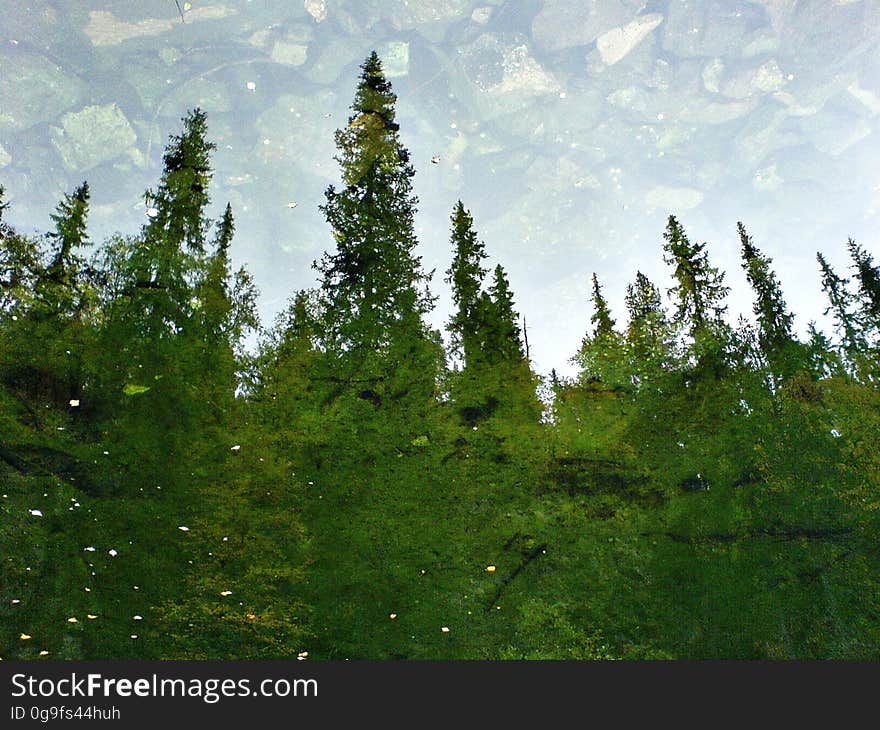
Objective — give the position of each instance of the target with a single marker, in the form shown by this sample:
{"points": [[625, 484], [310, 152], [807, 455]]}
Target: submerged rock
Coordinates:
{"points": [[34, 90], [616, 43], [765, 78], [408, 15], [289, 54], [709, 27], [568, 23], [92, 135], [105, 29], [506, 75]]}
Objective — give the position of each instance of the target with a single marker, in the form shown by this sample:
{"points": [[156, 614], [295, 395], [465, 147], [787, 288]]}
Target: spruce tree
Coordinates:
{"points": [[647, 332], [841, 302], [868, 278], [61, 289], [774, 320], [152, 373], [600, 356], [603, 324], [502, 337], [699, 297], [164, 263], [225, 310], [700, 289], [19, 265], [374, 292], [466, 277]]}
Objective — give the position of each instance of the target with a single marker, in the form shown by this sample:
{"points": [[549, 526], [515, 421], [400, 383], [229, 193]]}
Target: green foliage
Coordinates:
{"points": [[699, 491]]}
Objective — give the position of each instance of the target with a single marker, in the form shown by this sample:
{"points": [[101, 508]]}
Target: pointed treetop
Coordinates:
{"points": [[465, 274], [840, 303], [225, 230], [868, 277], [774, 319], [700, 289], [70, 219], [374, 94], [182, 195], [503, 330], [603, 324]]}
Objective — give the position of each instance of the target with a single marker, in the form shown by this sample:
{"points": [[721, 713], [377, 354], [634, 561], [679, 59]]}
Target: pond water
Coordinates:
{"points": [[570, 128]]}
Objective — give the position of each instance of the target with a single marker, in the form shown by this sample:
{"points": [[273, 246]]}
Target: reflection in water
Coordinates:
{"points": [[571, 129]]}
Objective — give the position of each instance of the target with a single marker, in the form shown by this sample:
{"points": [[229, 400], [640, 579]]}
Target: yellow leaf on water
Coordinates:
{"points": [[132, 389]]}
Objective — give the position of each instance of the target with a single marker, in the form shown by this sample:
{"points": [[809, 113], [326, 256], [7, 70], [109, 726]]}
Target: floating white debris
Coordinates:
{"points": [[444, 629], [490, 568], [24, 637], [183, 528], [152, 212], [112, 553], [225, 593], [237, 447], [251, 86], [35, 512], [392, 616], [74, 403]]}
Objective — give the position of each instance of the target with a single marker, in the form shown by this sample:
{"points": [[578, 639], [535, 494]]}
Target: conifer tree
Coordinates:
{"points": [[822, 359], [699, 295], [647, 332], [600, 356], [466, 277], [226, 311], [502, 337], [61, 288], [374, 292], [152, 377], [868, 278], [700, 289], [19, 265], [603, 324], [774, 320], [840, 306], [164, 263]]}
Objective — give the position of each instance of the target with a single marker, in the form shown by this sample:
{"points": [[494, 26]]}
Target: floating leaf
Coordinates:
{"points": [[132, 389]]}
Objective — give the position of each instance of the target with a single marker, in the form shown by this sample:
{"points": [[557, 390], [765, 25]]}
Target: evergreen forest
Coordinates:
{"points": [[359, 486]]}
